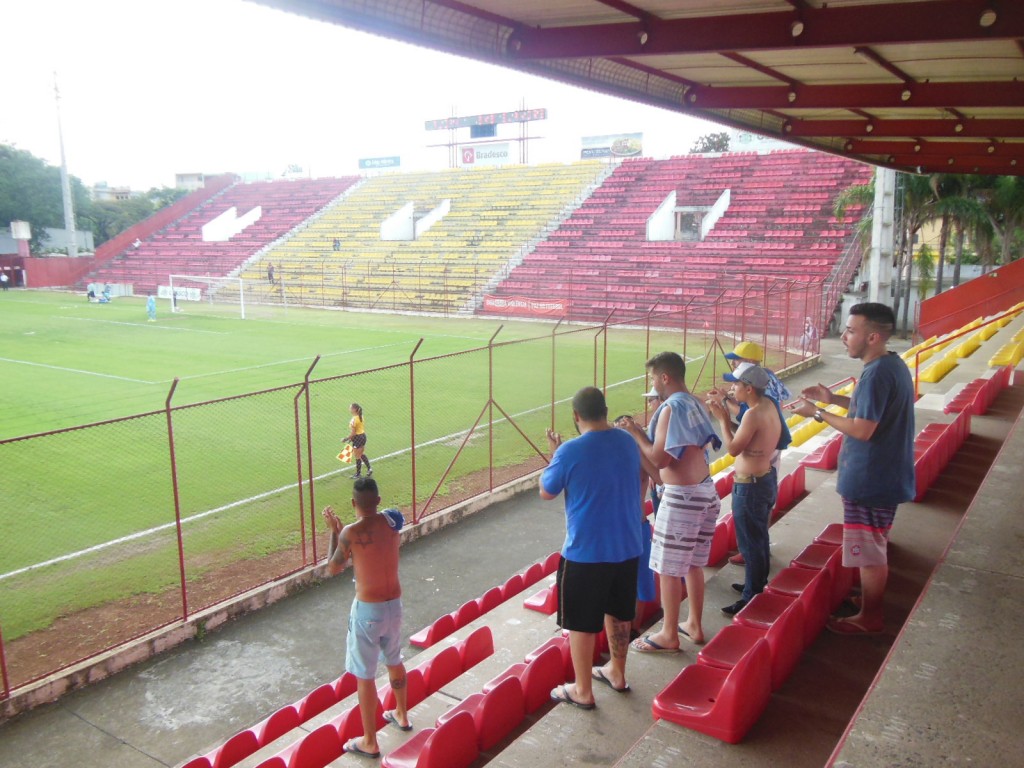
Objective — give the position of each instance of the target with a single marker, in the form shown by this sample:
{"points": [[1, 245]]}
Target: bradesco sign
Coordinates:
{"points": [[484, 154]]}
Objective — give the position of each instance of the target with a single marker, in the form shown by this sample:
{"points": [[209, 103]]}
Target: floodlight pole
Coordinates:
{"points": [[65, 182]]}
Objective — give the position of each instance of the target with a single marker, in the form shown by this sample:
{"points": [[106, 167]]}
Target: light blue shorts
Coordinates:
{"points": [[374, 635]]}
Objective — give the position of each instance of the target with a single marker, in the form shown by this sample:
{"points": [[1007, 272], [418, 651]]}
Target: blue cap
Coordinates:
{"points": [[395, 518]]}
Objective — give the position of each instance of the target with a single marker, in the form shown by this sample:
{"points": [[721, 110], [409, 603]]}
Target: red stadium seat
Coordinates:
{"points": [[476, 647], [452, 745], [551, 563], [442, 669], [439, 630], [721, 703], [490, 600], [317, 749], [198, 762], [561, 642], [495, 714], [831, 534], [724, 531], [819, 556], [316, 701], [467, 612], [780, 620], [545, 601], [533, 574], [236, 749], [813, 589], [278, 724], [541, 675], [345, 685], [513, 586], [415, 690]]}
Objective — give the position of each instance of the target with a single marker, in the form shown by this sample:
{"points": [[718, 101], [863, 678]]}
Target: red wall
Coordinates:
{"points": [[56, 271], [986, 295]]}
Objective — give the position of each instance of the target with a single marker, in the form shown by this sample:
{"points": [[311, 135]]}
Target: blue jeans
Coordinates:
{"points": [[751, 510]]}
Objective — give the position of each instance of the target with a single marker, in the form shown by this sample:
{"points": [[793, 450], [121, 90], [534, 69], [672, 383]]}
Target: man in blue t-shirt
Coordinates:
{"points": [[600, 473], [876, 462]]}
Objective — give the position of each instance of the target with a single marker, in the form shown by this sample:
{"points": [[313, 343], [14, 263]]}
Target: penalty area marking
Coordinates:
{"points": [[77, 370], [142, 325], [259, 496]]}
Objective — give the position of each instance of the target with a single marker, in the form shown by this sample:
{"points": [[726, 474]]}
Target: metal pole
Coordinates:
{"points": [[412, 424], [490, 409], [553, 369], [177, 500], [298, 469], [309, 455]]}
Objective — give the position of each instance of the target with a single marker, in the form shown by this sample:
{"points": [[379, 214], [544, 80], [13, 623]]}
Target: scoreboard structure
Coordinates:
{"points": [[483, 130]]}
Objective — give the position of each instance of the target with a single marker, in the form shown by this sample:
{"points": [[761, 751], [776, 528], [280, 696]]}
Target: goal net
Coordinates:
{"points": [[223, 296]]}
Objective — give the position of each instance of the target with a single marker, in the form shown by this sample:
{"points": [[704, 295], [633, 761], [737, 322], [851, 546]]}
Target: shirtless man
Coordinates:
{"points": [[374, 630], [756, 481], [675, 444]]}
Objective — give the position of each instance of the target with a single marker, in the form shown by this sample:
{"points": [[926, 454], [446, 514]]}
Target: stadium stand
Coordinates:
{"points": [[425, 241], [778, 223], [179, 246]]}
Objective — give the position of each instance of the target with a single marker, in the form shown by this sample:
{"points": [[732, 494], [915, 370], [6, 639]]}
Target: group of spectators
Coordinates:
{"points": [[610, 552], [605, 472]]}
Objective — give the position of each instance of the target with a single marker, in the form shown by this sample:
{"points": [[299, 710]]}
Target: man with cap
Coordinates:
{"points": [[755, 485], [750, 353]]}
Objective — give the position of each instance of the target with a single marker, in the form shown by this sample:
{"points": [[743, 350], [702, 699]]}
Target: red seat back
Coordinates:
{"points": [[278, 724], [500, 711], [317, 749], [466, 613], [440, 629], [541, 675], [442, 669], [345, 685], [513, 586], [235, 749], [551, 563], [533, 574], [490, 599], [316, 701], [476, 647], [451, 745]]}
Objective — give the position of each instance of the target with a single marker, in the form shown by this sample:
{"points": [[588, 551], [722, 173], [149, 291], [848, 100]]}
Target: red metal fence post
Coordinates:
{"points": [[177, 500], [309, 456], [412, 423], [554, 333], [3, 668], [490, 408]]}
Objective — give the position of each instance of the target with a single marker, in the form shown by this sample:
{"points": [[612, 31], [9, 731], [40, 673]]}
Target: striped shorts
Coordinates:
{"points": [[866, 534], [684, 527]]}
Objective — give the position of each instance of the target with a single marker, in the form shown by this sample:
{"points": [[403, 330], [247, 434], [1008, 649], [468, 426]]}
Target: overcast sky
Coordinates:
{"points": [[152, 88]]}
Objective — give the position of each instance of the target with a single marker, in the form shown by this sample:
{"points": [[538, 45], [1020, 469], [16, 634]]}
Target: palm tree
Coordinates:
{"points": [[1006, 213]]}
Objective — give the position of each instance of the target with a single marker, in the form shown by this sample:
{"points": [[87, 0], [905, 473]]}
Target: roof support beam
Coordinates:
{"points": [[866, 96], [993, 166], [975, 129], [853, 26]]}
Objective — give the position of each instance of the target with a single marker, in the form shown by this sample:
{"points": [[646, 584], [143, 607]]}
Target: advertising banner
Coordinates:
{"points": [[523, 305], [614, 145], [368, 163], [484, 155]]}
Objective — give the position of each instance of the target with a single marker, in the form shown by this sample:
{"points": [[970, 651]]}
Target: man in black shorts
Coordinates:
{"points": [[600, 472]]}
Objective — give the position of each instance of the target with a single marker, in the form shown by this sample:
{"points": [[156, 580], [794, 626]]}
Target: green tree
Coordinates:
{"points": [[711, 142], [925, 261], [30, 190]]}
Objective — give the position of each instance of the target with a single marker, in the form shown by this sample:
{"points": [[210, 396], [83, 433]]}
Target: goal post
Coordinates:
{"points": [[226, 293]]}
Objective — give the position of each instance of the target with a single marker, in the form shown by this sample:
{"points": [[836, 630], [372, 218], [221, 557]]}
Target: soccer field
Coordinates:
{"points": [[90, 513]]}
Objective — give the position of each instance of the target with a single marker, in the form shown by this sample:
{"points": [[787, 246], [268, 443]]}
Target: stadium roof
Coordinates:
{"points": [[932, 86]]}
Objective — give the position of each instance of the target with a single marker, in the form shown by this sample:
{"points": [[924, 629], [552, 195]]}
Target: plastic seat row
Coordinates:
{"points": [[729, 687], [493, 597], [934, 446], [976, 397]]}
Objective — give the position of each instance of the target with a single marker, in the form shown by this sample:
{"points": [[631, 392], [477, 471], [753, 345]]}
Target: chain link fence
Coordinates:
{"points": [[115, 529]]}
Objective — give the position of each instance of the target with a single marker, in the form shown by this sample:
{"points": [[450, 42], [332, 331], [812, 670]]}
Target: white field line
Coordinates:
{"points": [[142, 325], [77, 370], [306, 359], [265, 494]]}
